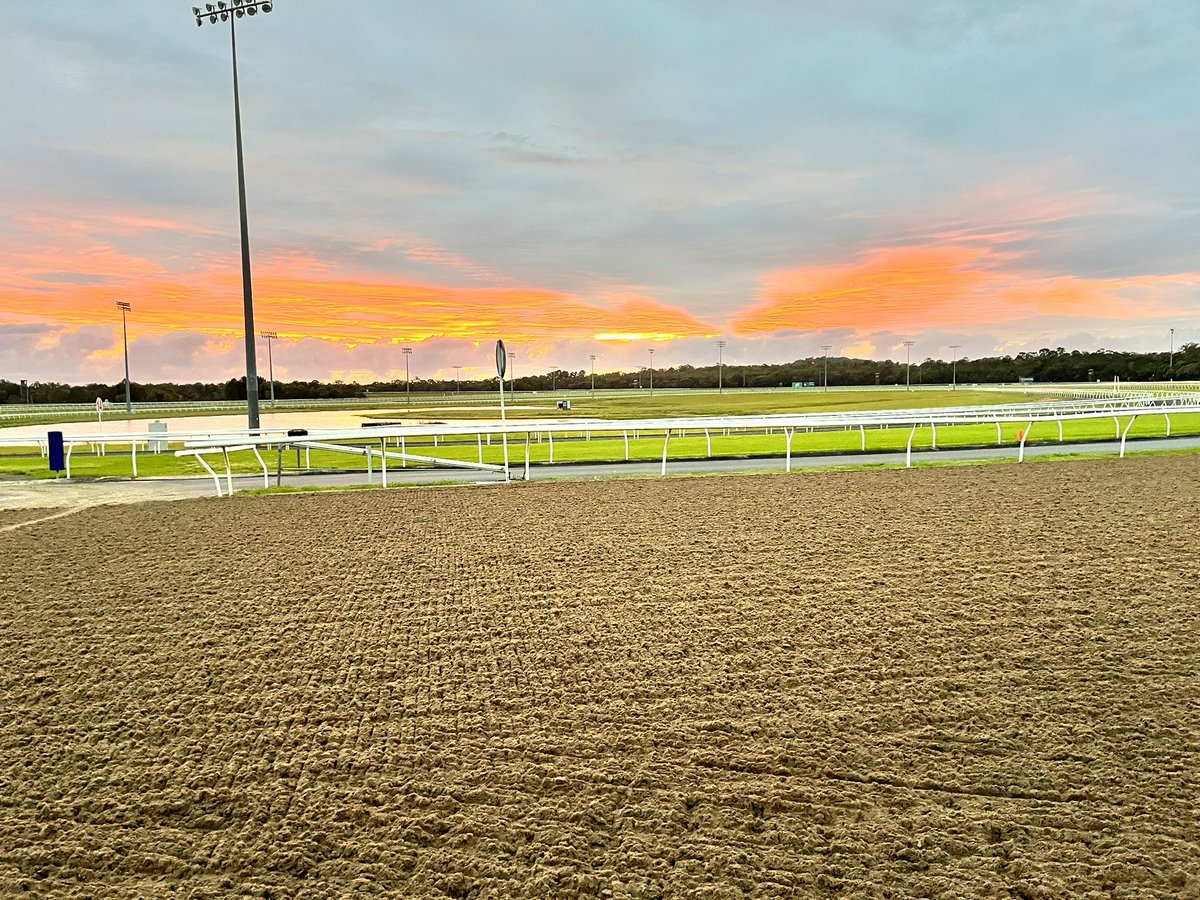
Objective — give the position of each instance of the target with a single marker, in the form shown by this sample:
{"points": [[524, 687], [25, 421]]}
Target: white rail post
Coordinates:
{"points": [[666, 440], [1024, 438], [1125, 433], [479, 441], [933, 425], [999, 439], [787, 434], [370, 466], [383, 466], [708, 441], [133, 456], [626, 436], [550, 435], [199, 457], [403, 451], [228, 473], [908, 450], [527, 456], [1117, 423], [862, 431], [1167, 416], [262, 462], [1060, 432]]}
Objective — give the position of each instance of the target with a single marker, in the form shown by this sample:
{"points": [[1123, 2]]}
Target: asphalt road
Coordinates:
{"points": [[76, 493]]}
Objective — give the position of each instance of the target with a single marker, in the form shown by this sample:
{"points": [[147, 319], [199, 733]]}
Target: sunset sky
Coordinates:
{"points": [[595, 178]]}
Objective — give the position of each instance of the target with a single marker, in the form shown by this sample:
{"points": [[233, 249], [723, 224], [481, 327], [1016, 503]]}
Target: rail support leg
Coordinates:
{"points": [[787, 436], [383, 466], [666, 441], [1024, 438], [908, 450], [1125, 434]]}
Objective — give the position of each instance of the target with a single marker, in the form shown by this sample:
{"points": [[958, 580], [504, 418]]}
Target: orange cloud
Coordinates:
{"points": [[75, 277], [971, 281]]}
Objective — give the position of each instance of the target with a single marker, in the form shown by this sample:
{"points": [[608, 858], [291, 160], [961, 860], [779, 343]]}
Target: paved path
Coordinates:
{"points": [[63, 494]]}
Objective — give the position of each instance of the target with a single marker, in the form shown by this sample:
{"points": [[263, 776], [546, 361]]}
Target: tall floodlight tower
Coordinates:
{"points": [[954, 366], [651, 371], [1171, 364], [125, 308], [908, 365], [230, 12], [458, 379], [271, 336], [407, 394], [720, 367], [827, 348]]}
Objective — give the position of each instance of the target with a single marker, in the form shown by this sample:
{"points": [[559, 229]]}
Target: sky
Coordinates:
{"points": [[594, 178]]}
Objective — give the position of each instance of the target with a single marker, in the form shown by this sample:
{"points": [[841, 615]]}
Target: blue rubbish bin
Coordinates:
{"points": [[58, 456]]}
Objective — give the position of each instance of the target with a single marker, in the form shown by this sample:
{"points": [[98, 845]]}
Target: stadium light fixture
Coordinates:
{"points": [[954, 366], [720, 367], [826, 348], [271, 336], [407, 394], [125, 308], [908, 365], [230, 12]]}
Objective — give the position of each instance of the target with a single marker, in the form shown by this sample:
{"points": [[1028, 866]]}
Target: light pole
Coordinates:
{"points": [[271, 336], [512, 372], [407, 394], [593, 358], [908, 365], [651, 371], [1171, 365], [720, 367], [229, 12], [125, 307], [458, 379], [954, 366], [826, 348]]}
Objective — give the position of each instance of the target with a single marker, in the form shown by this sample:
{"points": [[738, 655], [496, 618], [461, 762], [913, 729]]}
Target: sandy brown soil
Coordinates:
{"points": [[940, 682]]}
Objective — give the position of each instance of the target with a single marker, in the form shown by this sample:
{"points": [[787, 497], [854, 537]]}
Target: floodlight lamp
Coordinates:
{"points": [[208, 6], [266, 7], [239, 12], [224, 17], [220, 4], [251, 10], [195, 10], [198, 22], [212, 20]]}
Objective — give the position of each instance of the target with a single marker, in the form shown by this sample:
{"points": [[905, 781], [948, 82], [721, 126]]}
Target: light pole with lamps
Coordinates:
{"points": [[458, 379], [125, 307], [271, 336], [407, 394], [593, 358], [826, 348], [908, 365], [512, 372], [954, 366], [651, 371], [229, 12], [720, 367], [1171, 364]]}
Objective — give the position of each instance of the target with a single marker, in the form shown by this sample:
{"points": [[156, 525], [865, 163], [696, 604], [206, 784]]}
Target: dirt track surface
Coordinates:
{"points": [[940, 682]]}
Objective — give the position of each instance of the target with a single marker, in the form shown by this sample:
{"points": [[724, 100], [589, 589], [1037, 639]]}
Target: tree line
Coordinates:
{"points": [[1046, 365]]}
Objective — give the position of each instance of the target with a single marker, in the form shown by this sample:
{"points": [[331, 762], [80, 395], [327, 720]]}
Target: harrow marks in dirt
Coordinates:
{"points": [[975, 681]]}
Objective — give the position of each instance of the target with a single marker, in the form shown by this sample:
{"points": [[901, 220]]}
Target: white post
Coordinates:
{"points": [[1125, 433], [708, 441], [550, 435], [1024, 438], [998, 437], [262, 462], [403, 450], [383, 466], [479, 441], [133, 456], [1117, 423], [908, 452], [666, 440], [862, 431], [787, 433], [228, 473], [217, 481], [370, 466], [527, 456], [933, 425], [626, 434], [1060, 433], [1167, 416]]}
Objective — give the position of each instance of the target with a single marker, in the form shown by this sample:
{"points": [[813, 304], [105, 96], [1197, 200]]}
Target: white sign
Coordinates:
{"points": [[501, 359]]}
